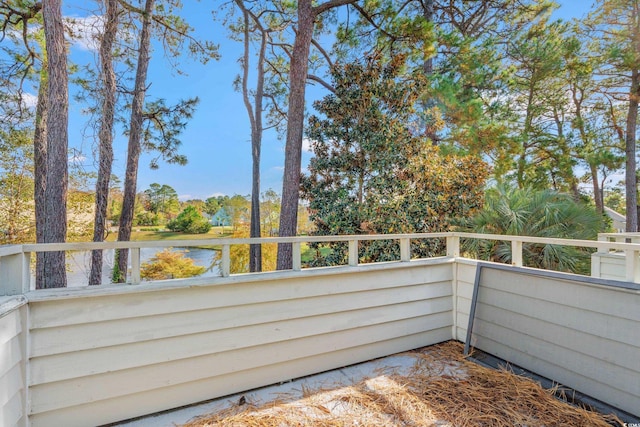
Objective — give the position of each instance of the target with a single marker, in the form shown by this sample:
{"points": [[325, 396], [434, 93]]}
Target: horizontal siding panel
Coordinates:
{"points": [[102, 334], [95, 309], [616, 329], [606, 374], [464, 307], [613, 266], [10, 326], [91, 362], [12, 413], [616, 302], [95, 413], [466, 273], [11, 384], [74, 392], [10, 355], [465, 290], [607, 351], [563, 375], [583, 335]]}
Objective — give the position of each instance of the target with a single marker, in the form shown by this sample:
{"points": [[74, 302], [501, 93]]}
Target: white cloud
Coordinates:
{"points": [[77, 158], [29, 100], [306, 145], [84, 32]]}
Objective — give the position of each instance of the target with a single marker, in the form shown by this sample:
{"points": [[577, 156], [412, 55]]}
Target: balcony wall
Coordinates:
{"points": [[95, 355], [102, 355], [581, 332]]}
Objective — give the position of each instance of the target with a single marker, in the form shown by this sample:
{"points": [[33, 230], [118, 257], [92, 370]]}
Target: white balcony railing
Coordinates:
{"points": [[16, 260]]}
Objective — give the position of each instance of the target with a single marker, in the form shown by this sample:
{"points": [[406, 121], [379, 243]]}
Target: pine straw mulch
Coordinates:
{"points": [[442, 389]]}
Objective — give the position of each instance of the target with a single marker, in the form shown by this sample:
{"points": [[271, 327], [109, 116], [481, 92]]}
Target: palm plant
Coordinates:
{"points": [[540, 213]]}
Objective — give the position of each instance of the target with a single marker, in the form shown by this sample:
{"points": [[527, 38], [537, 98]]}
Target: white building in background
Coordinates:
{"points": [[619, 221]]}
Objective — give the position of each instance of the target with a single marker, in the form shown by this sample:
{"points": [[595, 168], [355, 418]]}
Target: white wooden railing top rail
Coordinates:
{"points": [[15, 260]]}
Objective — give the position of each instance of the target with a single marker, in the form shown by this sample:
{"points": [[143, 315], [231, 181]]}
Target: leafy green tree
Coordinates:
{"points": [[270, 212], [162, 200], [190, 221], [614, 199], [212, 205], [16, 187], [238, 208], [536, 94], [371, 174], [540, 213], [614, 28], [598, 141]]}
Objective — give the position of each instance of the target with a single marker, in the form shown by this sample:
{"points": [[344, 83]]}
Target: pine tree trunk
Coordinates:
{"points": [[597, 191], [630, 151], [40, 171], [55, 229], [295, 124], [133, 153], [105, 135], [255, 251]]}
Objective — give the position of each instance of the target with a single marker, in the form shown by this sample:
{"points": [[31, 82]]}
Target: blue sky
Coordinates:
{"points": [[216, 140]]}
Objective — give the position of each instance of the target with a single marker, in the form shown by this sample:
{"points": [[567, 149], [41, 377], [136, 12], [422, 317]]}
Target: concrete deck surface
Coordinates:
{"points": [[287, 391]]}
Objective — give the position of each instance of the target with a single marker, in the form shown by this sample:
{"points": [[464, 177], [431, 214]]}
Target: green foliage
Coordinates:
{"points": [[147, 218], [162, 200], [170, 264], [540, 213], [117, 275], [371, 174], [190, 221], [614, 199], [212, 205], [163, 125], [16, 186], [240, 253]]}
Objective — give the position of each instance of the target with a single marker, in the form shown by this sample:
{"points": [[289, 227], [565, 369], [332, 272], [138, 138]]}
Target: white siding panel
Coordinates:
{"points": [[62, 394], [91, 362], [603, 299], [94, 352], [613, 328], [612, 265], [12, 360], [12, 413], [566, 374], [182, 394], [131, 304], [583, 335], [47, 341]]}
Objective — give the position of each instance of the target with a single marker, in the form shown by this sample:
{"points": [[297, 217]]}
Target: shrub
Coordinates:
{"points": [[147, 218], [190, 221], [170, 265]]}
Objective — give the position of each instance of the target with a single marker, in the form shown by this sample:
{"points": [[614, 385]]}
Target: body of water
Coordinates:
{"points": [[79, 263]]}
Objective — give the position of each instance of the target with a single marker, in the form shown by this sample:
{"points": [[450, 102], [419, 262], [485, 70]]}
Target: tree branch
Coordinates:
{"points": [[317, 10], [322, 82]]}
